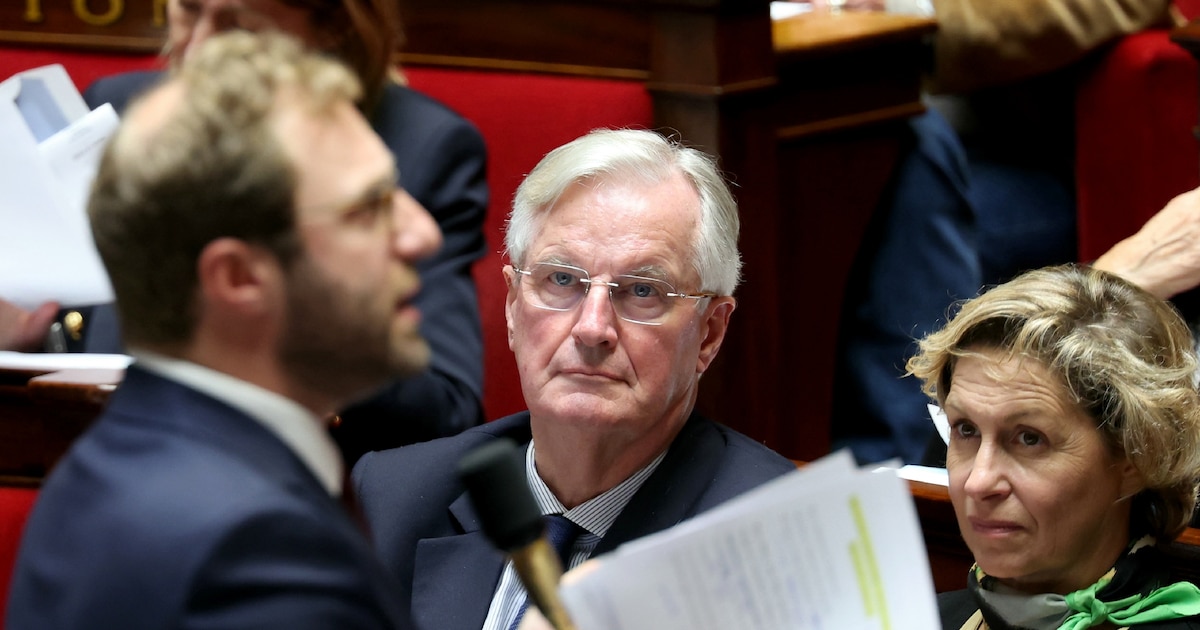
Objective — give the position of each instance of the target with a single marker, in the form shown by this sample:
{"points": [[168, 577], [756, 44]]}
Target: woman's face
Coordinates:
{"points": [[1041, 502], [191, 22]]}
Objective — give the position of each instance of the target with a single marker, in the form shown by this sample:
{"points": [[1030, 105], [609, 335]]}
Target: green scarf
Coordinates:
{"points": [[1136, 590], [1181, 599]]}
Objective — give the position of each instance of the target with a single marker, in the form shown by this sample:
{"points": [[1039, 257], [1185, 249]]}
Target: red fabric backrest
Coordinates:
{"points": [[1134, 144], [84, 67], [1189, 8], [522, 117], [15, 504]]}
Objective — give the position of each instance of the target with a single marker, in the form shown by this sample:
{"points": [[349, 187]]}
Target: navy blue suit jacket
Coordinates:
{"points": [[441, 159], [426, 530], [175, 510]]}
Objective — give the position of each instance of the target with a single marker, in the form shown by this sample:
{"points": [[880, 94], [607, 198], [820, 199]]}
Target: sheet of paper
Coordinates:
{"points": [[46, 249], [784, 10], [48, 100], [62, 361], [840, 551], [940, 422], [925, 474]]}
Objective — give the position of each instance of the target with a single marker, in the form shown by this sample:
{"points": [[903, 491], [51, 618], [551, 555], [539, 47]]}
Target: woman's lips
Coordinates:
{"points": [[991, 527]]}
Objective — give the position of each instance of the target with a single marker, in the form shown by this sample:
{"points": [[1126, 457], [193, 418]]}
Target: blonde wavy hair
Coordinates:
{"points": [[1121, 354]]}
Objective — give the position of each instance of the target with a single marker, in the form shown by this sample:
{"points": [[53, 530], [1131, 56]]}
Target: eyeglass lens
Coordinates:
{"points": [[562, 288]]}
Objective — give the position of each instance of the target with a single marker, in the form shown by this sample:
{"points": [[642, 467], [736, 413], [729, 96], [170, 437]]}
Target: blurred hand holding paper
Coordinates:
{"points": [[828, 546], [52, 146]]}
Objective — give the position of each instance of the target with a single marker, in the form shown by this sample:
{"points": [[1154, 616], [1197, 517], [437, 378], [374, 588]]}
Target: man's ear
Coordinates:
{"points": [[510, 280], [238, 276], [712, 330]]}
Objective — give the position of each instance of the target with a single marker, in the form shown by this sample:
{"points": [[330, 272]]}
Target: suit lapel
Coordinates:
{"points": [[671, 494], [464, 569]]}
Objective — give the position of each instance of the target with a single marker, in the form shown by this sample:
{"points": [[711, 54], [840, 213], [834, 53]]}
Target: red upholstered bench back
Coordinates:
{"points": [[84, 67], [15, 504], [522, 117], [1134, 144], [1189, 8]]}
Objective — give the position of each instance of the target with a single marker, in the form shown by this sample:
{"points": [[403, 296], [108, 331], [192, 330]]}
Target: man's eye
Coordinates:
{"points": [[643, 290], [562, 279]]}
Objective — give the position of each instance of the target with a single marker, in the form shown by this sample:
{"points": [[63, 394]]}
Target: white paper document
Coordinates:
{"points": [[827, 547], [51, 148], [53, 362]]}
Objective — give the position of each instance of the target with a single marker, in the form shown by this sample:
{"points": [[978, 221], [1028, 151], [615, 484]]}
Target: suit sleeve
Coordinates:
{"points": [[447, 398], [984, 43], [282, 570]]}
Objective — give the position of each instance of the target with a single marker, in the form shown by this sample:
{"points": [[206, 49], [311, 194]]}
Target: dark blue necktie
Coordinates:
{"points": [[561, 534]]}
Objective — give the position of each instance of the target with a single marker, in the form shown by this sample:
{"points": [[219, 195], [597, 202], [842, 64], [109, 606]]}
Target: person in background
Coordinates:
{"points": [[623, 250], [986, 191], [441, 161], [1074, 451], [264, 259]]}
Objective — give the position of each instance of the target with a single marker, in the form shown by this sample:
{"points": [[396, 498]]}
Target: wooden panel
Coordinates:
{"points": [[588, 39], [41, 414], [811, 157], [126, 25]]}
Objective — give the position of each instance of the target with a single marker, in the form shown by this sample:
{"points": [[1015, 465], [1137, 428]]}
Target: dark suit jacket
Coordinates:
{"points": [[177, 511], [425, 528], [441, 159]]}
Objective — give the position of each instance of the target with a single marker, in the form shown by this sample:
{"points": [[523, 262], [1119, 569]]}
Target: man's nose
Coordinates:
{"points": [[597, 322], [416, 235]]}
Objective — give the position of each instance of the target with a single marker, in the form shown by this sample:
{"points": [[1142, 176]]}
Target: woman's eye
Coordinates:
{"points": [[1029, 438], [964, 429]]}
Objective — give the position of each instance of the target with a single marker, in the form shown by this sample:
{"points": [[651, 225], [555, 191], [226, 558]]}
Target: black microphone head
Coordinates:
{"points": [[494, 475]]}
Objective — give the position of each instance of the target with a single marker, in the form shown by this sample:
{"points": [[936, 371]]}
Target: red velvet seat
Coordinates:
{"points": [[522, 117], [1134, 144], [15, 504]]}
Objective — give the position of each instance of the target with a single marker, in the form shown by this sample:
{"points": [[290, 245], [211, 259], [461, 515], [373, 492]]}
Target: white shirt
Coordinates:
{"points": [[300, 429], [594, 516]]}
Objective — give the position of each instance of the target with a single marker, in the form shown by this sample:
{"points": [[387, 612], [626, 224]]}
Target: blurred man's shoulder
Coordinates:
{"points": [[120, 89]]}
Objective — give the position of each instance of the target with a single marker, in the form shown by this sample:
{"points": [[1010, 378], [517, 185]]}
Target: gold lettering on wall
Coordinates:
{"points": [[115, 9], [125, 25], [33, 11]]}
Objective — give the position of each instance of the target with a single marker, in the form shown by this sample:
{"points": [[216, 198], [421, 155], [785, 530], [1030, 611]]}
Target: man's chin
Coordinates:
{"points": [[590, 406], [409, 357]]}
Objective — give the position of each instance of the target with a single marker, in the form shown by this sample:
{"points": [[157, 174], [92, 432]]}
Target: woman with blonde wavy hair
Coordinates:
{"points": [[1074, 451]]}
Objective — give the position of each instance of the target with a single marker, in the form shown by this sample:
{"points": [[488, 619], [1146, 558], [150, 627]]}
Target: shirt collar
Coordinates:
{"points": [[596, 515], [301, 430]]}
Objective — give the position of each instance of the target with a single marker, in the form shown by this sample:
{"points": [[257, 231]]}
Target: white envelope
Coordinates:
{"points": [[50, 146]]}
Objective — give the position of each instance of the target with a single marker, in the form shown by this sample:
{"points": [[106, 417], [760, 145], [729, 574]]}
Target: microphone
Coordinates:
{"points": [[494, 475]]}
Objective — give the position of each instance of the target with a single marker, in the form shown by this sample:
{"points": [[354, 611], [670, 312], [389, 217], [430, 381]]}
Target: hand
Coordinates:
{"points": [[24, 330], [1164, 256], [533, 619]]}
